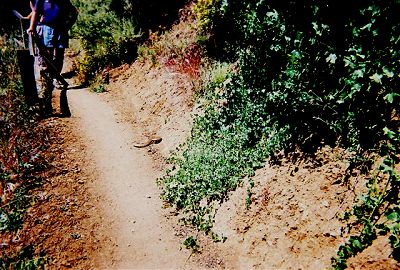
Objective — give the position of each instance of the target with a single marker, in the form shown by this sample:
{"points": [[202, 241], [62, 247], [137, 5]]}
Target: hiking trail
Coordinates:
{"points": [[125, 177]]}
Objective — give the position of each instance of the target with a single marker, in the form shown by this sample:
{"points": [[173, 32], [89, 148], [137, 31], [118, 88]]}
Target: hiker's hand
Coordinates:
{"points": [[30, 31]]}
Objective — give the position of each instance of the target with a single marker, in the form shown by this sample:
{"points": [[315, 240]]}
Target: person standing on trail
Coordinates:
{"points": [[51, 20]]}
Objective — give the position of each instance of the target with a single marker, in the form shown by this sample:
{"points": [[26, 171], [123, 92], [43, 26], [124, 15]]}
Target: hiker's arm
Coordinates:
{"points": [[33, 17], [31, 28]]}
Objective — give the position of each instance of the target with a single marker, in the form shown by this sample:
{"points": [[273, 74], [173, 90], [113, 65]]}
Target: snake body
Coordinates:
{"points": [[150, 141]]}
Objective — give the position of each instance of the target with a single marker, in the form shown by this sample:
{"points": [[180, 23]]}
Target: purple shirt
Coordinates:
{"points": [[53, 12]]}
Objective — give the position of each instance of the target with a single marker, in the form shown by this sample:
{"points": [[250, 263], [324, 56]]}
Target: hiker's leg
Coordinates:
{"points": [[45, 84], [59, 58]]}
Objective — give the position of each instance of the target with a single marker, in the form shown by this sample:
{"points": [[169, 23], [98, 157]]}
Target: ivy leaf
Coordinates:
{"points": [[393, 216], [388, 73], [390, 97], [355, 243], [389, 133], [273, 15], [359, 73], [331, 58], [376, 78]]}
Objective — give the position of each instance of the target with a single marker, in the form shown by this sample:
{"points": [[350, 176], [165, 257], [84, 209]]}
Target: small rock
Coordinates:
{"points": [[325, 203]]}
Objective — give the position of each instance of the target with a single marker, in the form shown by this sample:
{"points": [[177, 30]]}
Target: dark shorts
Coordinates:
{"points": [[53, 38]]}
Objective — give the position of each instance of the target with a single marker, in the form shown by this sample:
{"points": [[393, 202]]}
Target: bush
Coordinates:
{"points": [[9, 74], [206, 12], [106, 39], [22, 141], [302, 79], [149, 15], [327, 79]]}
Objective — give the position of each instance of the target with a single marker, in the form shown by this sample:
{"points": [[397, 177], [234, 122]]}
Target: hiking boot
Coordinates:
{"points": [[59, 85]]}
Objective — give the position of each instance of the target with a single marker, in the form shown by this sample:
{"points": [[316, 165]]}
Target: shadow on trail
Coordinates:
{"points": [[64, 106]]}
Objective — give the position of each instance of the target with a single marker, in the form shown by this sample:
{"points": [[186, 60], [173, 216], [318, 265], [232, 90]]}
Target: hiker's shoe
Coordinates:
{"points": [[59, 85]]}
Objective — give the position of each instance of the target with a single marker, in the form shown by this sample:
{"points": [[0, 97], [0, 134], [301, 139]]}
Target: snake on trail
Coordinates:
{"points": [[150, 141]]}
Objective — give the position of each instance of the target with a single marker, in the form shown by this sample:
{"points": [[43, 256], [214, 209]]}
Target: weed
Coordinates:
{"points": [[21, 143], [249, 194], [12, 213], [378, 211], [25, 259], [191, 243], [188, 62]]}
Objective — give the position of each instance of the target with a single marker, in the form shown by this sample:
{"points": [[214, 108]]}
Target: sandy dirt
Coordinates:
{"points": [[125, 178]]}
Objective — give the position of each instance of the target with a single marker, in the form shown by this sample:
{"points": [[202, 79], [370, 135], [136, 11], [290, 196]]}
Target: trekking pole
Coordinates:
{"points": [[31, 45], [20, 17], [26, 65], [22, 33]]}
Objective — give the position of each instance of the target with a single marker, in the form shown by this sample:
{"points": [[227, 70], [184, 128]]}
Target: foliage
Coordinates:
{"points": [[188, 62], [214, 163], [302, 79], [206, 12], [182, 54], [378, 211], [8, 72], [20, 144], [110, 31], [324, 88], [105, 38], [150, 14], [191, 243], [24, 260]]}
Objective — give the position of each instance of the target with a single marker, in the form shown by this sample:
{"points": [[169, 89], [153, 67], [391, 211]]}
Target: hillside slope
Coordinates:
{"points": [[293, 221]]}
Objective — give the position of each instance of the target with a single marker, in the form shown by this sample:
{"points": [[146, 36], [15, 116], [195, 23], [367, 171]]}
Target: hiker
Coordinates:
{"points": [[50, 20]]}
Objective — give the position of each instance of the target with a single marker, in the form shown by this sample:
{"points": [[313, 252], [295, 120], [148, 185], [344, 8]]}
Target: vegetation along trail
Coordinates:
{"points": [[215, 135], [124, 177]]}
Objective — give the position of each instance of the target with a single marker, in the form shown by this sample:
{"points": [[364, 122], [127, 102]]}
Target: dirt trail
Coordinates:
{"points": [[124, 176]]}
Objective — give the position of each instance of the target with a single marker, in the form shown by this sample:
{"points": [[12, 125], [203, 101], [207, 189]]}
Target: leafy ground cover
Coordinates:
{"points": [[21, 143], [300, 80]]}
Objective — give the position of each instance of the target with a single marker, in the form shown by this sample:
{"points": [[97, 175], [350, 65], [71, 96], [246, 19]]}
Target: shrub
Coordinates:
{"points": [[149, 15], [206, 12], [106, 39], [303, 74], [303, 79], [21, 143]]}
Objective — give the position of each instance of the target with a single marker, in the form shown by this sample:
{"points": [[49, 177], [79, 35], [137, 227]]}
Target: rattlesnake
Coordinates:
{"points": [[150, 141]]}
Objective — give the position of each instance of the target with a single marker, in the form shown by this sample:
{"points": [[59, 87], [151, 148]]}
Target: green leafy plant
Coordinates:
{"points": [[301, 79], [25, 259], [206, 12], [191, 243], [378, 211], [106, 38], [22, 141]]}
